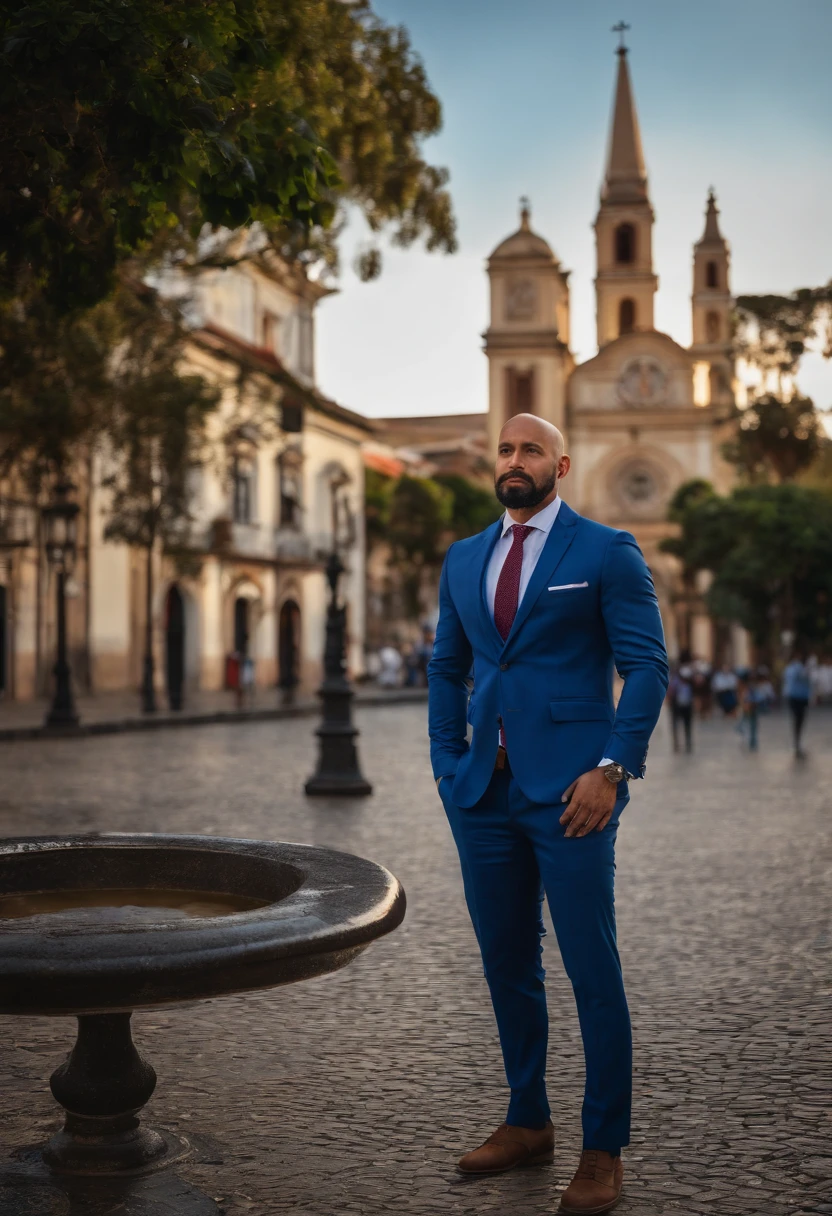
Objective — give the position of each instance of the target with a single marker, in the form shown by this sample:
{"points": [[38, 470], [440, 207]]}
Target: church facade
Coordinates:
{"points": [[643, 415]]}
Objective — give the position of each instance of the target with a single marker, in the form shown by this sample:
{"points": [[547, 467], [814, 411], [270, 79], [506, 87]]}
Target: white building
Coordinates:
{"points": [[285, 478]]}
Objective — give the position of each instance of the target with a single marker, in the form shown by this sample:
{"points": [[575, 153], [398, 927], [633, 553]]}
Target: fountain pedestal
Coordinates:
{"points": [[102, 1086]]}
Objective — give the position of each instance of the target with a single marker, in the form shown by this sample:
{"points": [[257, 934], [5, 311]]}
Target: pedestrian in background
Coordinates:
{"points": [[724, 685], [797, 689], [702, 692], [680, 695], [750, 705]]}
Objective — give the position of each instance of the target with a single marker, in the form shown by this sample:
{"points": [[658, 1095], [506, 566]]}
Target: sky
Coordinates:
{"points": [[734, 94]]}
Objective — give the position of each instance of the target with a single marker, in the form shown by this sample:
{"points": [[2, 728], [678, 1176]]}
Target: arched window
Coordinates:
{"points": [[625, 243], [711, 274], [520, 391], [712, 327], [626, 316], [243, 489], [290, 473]]}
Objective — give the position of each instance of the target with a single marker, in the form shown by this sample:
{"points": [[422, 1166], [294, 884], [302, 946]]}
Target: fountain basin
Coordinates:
{"points": [[313, 910], [98, 926]]}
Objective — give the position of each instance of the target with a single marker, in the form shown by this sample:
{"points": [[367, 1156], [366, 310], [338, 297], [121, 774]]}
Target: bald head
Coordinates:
{"points": [[530, 461], [529, 425]]}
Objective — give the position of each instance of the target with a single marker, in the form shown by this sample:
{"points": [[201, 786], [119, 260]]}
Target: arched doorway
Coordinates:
{"points": [[288, 648], [4, 641], [175, 646], [241, 625]]}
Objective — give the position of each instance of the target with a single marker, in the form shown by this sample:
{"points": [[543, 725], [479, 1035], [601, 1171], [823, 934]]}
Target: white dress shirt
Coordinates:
{"points": [[541, 525]]}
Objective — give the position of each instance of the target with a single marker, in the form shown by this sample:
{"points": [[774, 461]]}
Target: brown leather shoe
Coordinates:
{"points": [[509, 1147], [596, 1186]]}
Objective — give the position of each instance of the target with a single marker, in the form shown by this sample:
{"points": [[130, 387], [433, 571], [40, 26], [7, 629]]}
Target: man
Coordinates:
{"points": [[542, 604]]}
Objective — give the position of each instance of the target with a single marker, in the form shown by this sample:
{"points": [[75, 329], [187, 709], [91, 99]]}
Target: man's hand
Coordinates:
{"points": [[591, 803]]}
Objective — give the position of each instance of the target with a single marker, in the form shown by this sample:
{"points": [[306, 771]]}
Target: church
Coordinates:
{"points": [[643, 415]]}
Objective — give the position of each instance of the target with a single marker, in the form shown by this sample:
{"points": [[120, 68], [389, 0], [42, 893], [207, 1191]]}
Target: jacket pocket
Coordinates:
{"points": [[580, 711]]}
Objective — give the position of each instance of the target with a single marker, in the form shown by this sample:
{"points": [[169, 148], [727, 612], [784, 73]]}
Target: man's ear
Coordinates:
{"points": [[564, 465]]}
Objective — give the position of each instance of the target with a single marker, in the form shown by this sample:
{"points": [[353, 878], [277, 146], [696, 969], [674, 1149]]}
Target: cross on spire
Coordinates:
{"points": [[620, 29]]}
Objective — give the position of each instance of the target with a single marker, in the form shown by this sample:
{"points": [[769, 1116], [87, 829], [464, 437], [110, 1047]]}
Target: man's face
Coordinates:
{"points": [[527, 468]]}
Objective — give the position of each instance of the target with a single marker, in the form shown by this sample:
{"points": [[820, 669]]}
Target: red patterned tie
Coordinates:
{"points": [[508, 584], [508, 590]]}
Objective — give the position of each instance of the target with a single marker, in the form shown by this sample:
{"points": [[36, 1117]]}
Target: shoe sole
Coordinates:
{"points": [[538, 1159], [605, 1207]]}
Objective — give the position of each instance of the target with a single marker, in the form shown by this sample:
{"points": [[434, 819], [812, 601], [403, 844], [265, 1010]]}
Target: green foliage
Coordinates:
{"points": [[473, 507], [122, 121], [768, 548], [773, 435], [772, 332], [155, 427], [418, 518], [54, 385], [378, 491]]}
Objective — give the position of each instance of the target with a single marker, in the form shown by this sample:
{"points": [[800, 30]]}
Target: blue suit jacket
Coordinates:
{"points": [[550, 682]]}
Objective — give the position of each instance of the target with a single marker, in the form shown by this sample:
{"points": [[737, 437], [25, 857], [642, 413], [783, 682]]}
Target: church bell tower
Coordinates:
{"points": [[712, 304], [625, 284], [527, 340]]}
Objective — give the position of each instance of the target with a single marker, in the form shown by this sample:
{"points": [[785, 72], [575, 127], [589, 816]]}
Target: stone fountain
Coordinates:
{"points": [[98, 926]]}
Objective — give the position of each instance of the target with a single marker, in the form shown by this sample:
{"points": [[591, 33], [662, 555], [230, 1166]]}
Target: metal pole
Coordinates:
{"points": [[148, 680], [338, 770], [62, 713]]}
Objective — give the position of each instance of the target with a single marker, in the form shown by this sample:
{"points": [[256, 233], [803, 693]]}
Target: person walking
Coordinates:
{"points": [[680, 694], [724, 685], [797, 689], [545, 603], [750, 704]]}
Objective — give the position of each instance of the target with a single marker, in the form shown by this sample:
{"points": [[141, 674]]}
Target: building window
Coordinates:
{"points": [[626, 316], [291, 416], [520, 394], [625, 243], [270, 332], [289, 473], [712, 327], [243, 490], [711, 274]]}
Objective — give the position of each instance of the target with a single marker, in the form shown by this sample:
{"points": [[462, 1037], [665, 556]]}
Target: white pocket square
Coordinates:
{"points": [[567, 586]]}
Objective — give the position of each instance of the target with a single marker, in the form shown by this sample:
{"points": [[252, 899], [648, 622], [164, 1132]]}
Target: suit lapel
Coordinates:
{"points": [[490, 537], [557, 543]]}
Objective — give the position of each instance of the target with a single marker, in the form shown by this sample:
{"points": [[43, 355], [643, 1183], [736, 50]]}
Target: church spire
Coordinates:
{"points": [[625, 284], [626, 176], [711, 235]]}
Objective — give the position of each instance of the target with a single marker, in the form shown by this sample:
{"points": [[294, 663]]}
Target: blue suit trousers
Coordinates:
{"points": [[511, 852]]}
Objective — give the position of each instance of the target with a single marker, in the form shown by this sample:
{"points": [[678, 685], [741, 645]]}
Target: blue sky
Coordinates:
{"points": [[731, 93]]}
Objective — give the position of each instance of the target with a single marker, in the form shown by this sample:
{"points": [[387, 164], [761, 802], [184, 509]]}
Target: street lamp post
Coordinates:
{"points": [[338, 770], [148, 689], [60, 523]]}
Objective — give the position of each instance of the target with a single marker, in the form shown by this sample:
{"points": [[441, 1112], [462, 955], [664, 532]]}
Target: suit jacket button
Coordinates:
{"points": [[504, 667]]}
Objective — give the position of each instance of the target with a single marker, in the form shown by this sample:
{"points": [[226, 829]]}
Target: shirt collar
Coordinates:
{"points": [[543, 521]]}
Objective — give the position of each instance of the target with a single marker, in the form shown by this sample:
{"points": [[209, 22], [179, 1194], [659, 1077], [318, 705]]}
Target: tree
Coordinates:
{"points": [[155, 431], [473, 507], [772, 332], [767, 548], [121, 121], [772, 434], [418, 520]]}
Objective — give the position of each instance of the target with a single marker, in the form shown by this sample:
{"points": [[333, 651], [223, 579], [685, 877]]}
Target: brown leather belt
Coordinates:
{"points": [[500, 762]]}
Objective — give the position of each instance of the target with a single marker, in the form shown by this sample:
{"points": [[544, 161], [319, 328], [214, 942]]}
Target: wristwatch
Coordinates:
{"points": [[615, 773]]}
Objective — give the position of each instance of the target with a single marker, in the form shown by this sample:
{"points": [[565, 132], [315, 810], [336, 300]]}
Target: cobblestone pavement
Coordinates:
{"points": [[354, 1093]]}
